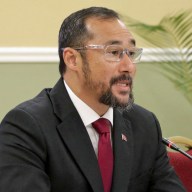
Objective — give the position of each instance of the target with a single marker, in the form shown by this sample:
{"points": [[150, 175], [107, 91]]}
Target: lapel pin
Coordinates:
{"points": [[123, 137]]}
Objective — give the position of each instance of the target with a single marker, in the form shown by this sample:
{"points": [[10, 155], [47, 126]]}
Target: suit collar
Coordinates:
{"points": [[62, 104]]}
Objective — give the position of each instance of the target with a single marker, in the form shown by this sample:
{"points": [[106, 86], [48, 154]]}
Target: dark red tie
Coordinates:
{"points": [[105, 153]]}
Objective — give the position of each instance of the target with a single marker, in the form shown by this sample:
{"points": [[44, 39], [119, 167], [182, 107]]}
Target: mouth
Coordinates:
{"points": [[123, 80], [122, 87], [123, 84]]}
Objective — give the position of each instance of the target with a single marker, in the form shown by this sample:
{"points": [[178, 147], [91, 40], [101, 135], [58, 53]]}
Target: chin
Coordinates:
{"points": [[122, 99], [117, 100]]}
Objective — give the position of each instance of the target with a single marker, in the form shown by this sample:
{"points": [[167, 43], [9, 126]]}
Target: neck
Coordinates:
{"points": [[87, 97], [93, 103]]}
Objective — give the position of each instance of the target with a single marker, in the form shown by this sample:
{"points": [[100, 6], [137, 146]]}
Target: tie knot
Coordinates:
{"points": [[102, 125]]}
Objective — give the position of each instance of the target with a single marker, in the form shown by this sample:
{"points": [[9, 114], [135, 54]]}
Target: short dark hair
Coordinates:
{"points": [[73, 31]]}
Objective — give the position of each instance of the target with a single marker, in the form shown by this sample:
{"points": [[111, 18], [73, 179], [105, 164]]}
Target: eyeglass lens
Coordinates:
{"points": [[116, 53]]}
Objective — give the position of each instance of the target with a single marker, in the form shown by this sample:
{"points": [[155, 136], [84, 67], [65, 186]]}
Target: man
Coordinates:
{"points": [[51, 142]]}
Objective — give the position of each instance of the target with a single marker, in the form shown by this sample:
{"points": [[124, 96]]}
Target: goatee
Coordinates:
{"points": [[108, 98]]}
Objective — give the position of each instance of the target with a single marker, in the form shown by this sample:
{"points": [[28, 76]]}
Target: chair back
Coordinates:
{"points": [[182, 164]]}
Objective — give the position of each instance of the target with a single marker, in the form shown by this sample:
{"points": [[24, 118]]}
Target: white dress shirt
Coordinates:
{"points": [[88, 116]]}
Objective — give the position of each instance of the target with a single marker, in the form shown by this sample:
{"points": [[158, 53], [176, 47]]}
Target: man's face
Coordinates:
{"points": [[109, 82]]}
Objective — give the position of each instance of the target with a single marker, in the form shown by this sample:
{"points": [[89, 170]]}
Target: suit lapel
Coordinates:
{"points": [[123, 151], [75, 136]]}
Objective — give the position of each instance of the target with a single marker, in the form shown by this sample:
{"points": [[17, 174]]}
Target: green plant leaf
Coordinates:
{"points": [[173, 37]]}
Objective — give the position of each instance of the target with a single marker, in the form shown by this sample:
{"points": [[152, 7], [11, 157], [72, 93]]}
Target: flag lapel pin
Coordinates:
{"points": [[123, 137]]}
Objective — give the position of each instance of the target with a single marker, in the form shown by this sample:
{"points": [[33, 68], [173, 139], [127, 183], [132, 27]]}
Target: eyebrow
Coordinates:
{"points": [[112, 42]]}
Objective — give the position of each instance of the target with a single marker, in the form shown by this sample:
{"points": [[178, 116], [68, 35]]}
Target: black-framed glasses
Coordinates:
{"points": [[116, 52]]}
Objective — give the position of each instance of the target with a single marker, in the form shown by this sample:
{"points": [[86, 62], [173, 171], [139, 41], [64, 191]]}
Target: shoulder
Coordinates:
{"points": [[142, 120], [23, 127], [138, 112], [37, 103], [32, 109]]}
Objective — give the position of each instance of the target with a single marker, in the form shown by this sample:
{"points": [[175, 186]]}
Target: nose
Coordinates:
{"points": [[126, 65]]}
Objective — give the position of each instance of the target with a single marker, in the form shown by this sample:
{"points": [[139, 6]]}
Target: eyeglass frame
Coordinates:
{"points": [[104, 47]]}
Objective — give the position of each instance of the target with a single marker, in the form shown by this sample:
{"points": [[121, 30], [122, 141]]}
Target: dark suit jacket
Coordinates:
{"points": [[44, 146]]}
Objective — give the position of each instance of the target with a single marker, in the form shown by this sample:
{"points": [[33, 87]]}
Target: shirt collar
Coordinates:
{"points": [[83, 109]]}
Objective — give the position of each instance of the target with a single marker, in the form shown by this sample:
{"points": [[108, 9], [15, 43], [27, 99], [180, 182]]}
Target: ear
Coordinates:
{"points": [[70, 58]]}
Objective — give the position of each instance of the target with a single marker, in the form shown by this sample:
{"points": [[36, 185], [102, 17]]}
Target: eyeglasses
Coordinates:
{"points": [[116, 52]]}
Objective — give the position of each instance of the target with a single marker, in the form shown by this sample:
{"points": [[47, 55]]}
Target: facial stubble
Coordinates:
{"points": [[106, 95]]}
